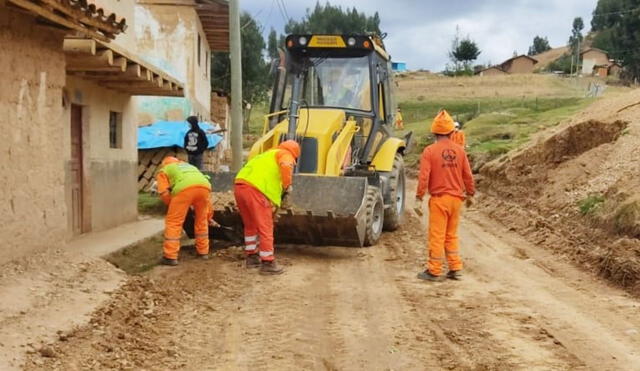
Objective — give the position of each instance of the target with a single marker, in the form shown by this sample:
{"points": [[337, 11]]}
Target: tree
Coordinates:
{"points": [[462, 54], [272, 44], [334, 19], [540, 45], [626, 39], [255, 71], [576, 37], [606, 14], [465, 52]]}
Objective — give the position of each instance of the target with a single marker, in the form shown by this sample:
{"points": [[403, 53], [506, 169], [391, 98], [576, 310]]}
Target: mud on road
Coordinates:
{"points": [[517, 307]]}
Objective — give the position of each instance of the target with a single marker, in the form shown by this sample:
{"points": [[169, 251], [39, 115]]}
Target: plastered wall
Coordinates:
{"points": [[32, 196], [110, 173], [168, 38]]}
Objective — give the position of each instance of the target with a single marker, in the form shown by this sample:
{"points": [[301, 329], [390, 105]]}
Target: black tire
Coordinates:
{"points": [[375, 216], [394, 214]]}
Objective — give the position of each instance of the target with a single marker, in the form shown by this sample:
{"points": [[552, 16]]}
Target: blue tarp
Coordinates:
{"points": [[171, 133]]}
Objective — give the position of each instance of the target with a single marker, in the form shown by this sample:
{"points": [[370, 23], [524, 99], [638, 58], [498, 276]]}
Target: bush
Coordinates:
{"points": [[590, 204]]}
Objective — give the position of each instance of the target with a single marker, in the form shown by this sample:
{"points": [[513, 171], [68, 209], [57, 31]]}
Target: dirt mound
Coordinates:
{"points": [[573, 189]]}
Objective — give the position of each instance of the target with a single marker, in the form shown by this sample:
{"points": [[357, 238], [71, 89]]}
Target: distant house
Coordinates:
{"points": [[594, 60], [519, 64], [491, 71], [399, 66], [614, 69]]}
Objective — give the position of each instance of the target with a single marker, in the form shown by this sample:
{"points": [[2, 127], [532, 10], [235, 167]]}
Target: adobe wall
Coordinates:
{"points": [[597, 57], [110, 173], [32, 207], [521, 65]]}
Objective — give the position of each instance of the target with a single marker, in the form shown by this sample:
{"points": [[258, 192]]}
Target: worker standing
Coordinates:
{"points": [[260, 186], [195, 142], [445, 173], [399, 124], [458, 136], [180, 186]]}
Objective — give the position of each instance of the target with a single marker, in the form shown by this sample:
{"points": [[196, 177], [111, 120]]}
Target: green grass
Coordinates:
{"points": [[590, 204], [256, 123], [138, 258], [492, 126], [149, 204]]}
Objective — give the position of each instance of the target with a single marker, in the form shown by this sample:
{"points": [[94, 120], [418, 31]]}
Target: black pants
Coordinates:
{"points": [[196, 160]]}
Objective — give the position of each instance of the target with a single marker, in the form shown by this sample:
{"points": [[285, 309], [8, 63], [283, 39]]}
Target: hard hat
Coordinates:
{"points": [[292, 146], [457, 125], [442, 123], [169, 160]]}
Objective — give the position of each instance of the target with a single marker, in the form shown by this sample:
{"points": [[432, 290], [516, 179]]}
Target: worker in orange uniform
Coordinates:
{"points": [[260, 186], [457, 136], [180, 186], [445, 173], [399, 121]]}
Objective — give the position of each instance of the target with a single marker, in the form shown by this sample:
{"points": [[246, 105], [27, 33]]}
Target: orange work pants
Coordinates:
{"points": [[257, 218], [178, 207], [444, 216]]}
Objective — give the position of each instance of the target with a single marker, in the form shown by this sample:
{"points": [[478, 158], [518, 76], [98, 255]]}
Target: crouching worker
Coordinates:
{"points": [[446, 175], [180, 186], [260, 186]]}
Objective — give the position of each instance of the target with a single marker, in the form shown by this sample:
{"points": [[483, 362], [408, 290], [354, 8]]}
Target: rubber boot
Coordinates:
{"points": [[203, 256], [252, 261], [270, 267], [170, 262], [427, 276], [454, 275]]}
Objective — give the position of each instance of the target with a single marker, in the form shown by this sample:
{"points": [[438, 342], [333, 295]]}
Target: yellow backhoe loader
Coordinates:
{"points": [[333, 94]]}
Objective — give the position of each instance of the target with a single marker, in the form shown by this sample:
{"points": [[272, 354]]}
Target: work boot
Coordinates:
{"points": [[427, 276], [252, 261], [167, 261], [203, 256], [270, 267], [454, 275]]}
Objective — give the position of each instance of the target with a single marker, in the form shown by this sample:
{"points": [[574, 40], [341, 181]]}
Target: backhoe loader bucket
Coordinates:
{"points": [[324, 211]]}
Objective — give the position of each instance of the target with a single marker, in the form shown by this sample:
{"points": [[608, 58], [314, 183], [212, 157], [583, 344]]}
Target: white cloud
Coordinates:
{"points": [[420, 32]]}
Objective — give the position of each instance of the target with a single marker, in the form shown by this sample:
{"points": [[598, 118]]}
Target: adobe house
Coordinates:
{"points": [[615, 69], [72, 78], [491, 71], [598, 56], [519, 65]]}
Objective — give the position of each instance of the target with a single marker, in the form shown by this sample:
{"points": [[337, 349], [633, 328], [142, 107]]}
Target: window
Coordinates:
{"points": [[199, 42], [115, 129]]}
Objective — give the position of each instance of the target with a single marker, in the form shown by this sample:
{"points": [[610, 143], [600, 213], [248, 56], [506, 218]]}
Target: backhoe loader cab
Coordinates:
{"points": [[332, 94]]}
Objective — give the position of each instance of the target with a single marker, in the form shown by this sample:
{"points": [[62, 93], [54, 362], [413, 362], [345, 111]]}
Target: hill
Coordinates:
{"points": [[546, 58]]}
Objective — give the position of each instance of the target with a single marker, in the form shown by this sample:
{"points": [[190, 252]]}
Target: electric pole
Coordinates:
{"points": [[236, 84]]}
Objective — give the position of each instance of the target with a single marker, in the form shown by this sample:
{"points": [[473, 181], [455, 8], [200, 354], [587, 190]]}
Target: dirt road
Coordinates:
{"points": [[363, 309]]}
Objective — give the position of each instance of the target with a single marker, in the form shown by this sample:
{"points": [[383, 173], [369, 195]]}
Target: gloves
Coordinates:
{"points": [[286, 199], [418, 207], [469, 201]]}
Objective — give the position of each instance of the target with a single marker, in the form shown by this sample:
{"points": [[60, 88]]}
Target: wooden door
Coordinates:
{"points": [[76, 169]]}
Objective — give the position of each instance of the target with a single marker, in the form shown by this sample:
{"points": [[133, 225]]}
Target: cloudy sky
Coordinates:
{"points": [[420, 31]]}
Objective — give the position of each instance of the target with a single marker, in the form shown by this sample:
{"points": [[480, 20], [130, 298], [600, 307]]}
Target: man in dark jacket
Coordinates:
{"points": [[195, 142]]}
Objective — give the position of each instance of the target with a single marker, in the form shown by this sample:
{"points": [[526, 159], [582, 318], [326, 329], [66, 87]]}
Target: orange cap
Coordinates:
{"points": [[442, 124], [292, 146], [169, 160]]}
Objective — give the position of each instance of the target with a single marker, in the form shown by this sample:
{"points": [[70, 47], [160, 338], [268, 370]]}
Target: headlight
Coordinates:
{"points": [[351, 41], [302, 40]]}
